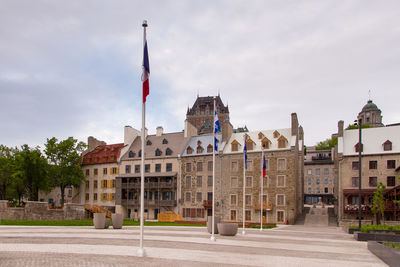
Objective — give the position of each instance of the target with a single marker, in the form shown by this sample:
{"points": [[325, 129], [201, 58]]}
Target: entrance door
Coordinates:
{"points": [[156, 214], [209, 212]]}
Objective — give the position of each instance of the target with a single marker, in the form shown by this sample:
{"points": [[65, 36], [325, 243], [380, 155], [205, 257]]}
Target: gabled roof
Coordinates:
{"points": [[103, 154]]}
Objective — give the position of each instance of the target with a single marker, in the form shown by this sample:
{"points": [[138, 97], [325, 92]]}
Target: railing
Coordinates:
{"points": [[97, 209], [265, 206], [207, 203], [152, 185], [150, 203]]}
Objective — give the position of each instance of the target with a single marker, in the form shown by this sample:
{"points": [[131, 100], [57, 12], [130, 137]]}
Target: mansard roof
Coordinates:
{"points": [[208, 101]]}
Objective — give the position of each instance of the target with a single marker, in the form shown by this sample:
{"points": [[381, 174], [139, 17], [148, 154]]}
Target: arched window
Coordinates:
{"points": [[387, 146], [234, 145], [131, 154], [164, 141], [199, 149], [265, 143], [282, 142], [168, 152], [356, 147], [250, 144], [189, 150], [148, 143], [209, 148], [158, 152]]}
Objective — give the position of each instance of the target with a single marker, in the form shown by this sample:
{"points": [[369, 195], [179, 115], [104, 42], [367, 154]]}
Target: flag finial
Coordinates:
{"points": [[144, 24]]}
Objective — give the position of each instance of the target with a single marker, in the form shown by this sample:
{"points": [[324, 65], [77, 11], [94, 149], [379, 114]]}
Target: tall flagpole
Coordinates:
{"points": [[262, 189], [213, 185], [141, 252], [244, 184]]}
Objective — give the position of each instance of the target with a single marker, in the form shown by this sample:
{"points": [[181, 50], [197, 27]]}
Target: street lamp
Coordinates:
{"points": [[359, 171]]}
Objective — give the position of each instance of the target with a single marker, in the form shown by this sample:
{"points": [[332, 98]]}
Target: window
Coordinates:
{"points": [[373, 165], [282, 142], [104, 196], [200, 213], [249, 181], [199, 166], [189, 150], [326, 171], [248, 215], [391, 164], [234, 166], [209, 148], [188, 183], [276, 134], [355, 181], [249, 145], [356, 147], [199, 150], [265, 143], [87, 184], [168, 152], [280, 216], [158, 167], [210, 166], [114, 170], [326, 190], [131, 154], [233, 200], [387, 146], [391, 181], [188, 196], [199, 197], [140, 153], [113, 184], [148, 143], [318, 190], [317, 181], [169, 167], [209, 181], [233, 215], [112, 196], [309, 190], [281, 181], [354, 165], [95, 172], [103, 184], [281, 164], [164, 141], [280, 200], [95, 184], [373, 181], [87, 172], [188, 167], [87, 196], [249, 165], [234, 182], [95, 196], [309, 181], [309, 171], [158, 152], [199, 182], [104, 170], [127, 168], [317, 171], [248, 200], [326, 181], [234, 146], [137, 168], [147, 168]]}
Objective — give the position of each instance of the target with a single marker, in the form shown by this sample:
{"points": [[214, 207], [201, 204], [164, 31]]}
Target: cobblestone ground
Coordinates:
{"points": [[181, 246]]}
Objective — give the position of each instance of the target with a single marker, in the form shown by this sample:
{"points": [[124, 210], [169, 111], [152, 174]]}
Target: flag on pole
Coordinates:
{"points": [[245, 151], [264, 166], [146, 71], [217, 128]]}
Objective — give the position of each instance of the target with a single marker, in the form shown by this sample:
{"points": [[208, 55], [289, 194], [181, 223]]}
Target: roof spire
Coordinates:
{"points": [[369, 95]]}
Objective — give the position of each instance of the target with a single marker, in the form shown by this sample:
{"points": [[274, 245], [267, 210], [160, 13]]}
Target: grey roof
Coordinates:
{"points": [[205, 141], [175, 142]]}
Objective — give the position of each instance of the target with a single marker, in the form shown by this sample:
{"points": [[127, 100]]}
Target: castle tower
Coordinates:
{"points": [[371, 115]]}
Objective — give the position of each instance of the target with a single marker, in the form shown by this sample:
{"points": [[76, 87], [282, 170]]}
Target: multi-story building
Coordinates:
{"points": [[380, 148], [319, 176], [162, 153]]}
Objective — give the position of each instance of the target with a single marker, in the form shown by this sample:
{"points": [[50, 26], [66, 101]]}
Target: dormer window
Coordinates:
{"points": [[168, 152], [158, 152], [250, 144], [199, 149], [234, 145], [282, 142], [260, 135], [265, 143], [164, 141], [387, 146], [189, 150], [131, 154], [356, 147], [198, 142], [148, 143], [209, 148], [276, 134]]}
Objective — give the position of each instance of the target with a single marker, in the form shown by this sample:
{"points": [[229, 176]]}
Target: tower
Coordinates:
{"points": [[371, 115]]}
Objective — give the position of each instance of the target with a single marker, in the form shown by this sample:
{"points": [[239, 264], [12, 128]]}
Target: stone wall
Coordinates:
{"points": [[40, 211]]}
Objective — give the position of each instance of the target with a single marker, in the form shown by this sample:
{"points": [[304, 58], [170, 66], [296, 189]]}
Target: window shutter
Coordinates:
{"points": [[110, 170], [193, 213], [117, 171], [202, 213], [183, 212]]}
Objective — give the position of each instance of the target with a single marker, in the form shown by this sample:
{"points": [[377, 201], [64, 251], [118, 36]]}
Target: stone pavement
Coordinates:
{"points": [[181, 246]]}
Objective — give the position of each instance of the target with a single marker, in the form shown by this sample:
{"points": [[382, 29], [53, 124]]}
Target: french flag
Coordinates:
{"points": [[146, 72], [264, 166]]}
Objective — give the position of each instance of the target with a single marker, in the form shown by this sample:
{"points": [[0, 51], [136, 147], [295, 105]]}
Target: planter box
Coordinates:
{"points": [[353, 230], [389, 255], [360, 236], [228, 229], [99, 220], [117, 220], [209, 224]]}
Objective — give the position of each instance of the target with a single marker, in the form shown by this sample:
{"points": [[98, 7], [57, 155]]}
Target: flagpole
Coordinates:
{"points": [[141, 252], [213, 184], [262, 191], [244, 185]]}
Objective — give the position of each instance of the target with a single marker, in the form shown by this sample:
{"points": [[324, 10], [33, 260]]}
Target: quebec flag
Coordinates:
{"points": [[217, 128]]}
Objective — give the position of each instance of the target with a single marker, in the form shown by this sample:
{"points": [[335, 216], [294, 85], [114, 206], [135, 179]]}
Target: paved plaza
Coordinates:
{"points": [[181, 246]]}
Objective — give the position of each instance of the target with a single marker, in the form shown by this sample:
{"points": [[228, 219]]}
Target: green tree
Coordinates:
{"points": [[327, 144], [32, 169], [378, 202], [6, 170], [65, 161], [353, 127]]}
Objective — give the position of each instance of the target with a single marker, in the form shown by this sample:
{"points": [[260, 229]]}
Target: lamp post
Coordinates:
{"points": [[359, 172]]}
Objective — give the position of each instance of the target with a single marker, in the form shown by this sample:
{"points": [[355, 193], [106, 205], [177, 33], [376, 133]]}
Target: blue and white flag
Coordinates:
{"points": [[217, 128]]}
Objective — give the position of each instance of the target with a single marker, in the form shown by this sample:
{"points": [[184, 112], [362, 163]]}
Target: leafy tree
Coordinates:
{"points": [[32, 169], [6, 169], [65, 161], [378, 202], [327, 144], [353, 127]]}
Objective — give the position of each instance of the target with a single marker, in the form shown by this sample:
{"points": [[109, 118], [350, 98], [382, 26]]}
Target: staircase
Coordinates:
{"points": [[97, 209], [317, 216]]}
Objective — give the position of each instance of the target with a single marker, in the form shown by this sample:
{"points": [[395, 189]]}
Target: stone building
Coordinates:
{"points": [[371, 115], [319, 176], [162, 153], [380, 163]]}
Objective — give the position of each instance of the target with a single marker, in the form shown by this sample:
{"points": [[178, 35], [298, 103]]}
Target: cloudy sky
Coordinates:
{"points": [[72, 68]]}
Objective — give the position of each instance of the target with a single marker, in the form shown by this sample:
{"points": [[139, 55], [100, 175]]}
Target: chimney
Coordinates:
{"points": [[340, 128], [93, 143], [295, 125], [159, 131], [130, 134]]}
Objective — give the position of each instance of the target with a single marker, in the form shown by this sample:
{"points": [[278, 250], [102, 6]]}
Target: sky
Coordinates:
{"points": [[73, 68]]}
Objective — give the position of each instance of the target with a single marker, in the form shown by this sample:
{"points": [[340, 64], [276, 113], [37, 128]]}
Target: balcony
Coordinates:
{"points": [[151, 185], [207, 203], [266, 206], [149, 203]]}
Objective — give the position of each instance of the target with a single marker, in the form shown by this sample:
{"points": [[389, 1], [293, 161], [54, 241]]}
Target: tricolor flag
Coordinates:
{"points": [[245, 152], [264, 166], [217, 128], [146, 72]]}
